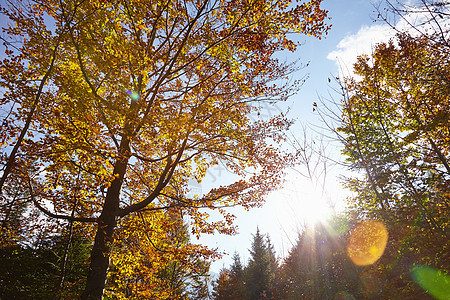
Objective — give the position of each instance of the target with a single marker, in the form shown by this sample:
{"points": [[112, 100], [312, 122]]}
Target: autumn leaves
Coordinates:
{"points": [[139, 97]]}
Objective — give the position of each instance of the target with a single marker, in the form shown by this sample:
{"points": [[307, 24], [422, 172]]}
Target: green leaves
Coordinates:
{"points": [[395, 131], [395, 121]]}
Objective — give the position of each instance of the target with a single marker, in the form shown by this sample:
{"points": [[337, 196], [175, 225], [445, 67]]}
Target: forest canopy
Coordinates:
{"points": [[109, 108]]}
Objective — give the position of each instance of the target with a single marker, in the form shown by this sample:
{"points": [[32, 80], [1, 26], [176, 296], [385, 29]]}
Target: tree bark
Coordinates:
{"points": [[98, 268], [104, 237]]}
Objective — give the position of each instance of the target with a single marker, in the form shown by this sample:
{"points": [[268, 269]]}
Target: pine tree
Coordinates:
{"points": [[260, 271], [253, 282], [230, 285]]}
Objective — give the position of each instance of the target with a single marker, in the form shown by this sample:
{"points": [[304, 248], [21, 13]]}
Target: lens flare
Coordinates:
{"points": [[434, 282], [367, 243], [133, 95]]}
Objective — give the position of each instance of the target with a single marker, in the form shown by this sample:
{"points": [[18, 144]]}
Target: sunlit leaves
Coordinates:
{"points": [[396, 123], [395, 131], [164, 264], [140, 97]]}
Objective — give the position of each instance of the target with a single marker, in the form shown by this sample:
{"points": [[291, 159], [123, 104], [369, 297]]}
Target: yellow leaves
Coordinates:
{"points": [[192, 79], [149, 246]]}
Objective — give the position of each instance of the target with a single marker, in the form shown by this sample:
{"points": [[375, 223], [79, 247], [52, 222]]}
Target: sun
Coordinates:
{"points": [[298, 206], [315, 209]]}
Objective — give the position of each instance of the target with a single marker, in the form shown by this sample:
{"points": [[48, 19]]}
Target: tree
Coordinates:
{"points": [[13, 207], [231, 282], [317, 266], [395, 129], [35, 271], [113, 106], [254, 281], [164, 264], [422, 19], [260, 271]]}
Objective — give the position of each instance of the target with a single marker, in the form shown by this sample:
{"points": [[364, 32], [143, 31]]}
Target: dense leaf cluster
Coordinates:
{"points": [[110, 108]]}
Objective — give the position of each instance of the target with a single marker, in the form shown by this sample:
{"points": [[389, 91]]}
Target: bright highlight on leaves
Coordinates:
{"points": [[434, 282], [367, 243]]}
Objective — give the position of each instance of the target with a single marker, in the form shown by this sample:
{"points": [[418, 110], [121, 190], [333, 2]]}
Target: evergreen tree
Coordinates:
{"points": [[237, 278], [256, 280], [260, 271], [34, 271], [317, 267], [230, 284], [236, 268]]}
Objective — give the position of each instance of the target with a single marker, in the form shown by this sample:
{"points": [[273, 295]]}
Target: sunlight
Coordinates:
{"points": [[315, 210], [299, 204]]}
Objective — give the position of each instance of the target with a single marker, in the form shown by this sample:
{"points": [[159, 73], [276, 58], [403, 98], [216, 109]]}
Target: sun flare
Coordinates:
{"points": [[315, 210]]}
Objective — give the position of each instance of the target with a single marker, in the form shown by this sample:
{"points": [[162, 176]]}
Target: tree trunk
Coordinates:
{"points": [[104, 237], [98, 268]]}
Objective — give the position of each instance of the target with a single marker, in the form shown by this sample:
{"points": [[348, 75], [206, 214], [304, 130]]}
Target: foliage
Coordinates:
{"points": [[317, 266], [164, 264], [111, 107], [34, 271], [260, 271], [254, 281], [395, 129], [13, 207], [231, 282]]}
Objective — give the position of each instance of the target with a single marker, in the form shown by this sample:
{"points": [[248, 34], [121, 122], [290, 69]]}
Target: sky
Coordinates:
{"points": [[283, 216], [354, 32]]}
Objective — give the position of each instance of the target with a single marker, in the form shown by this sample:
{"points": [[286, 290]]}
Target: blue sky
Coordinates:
{"points": [[353, 32]]}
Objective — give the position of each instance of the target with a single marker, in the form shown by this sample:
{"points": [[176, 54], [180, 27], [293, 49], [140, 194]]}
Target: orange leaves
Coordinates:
{"points": [[195, 72], [153, 251]]}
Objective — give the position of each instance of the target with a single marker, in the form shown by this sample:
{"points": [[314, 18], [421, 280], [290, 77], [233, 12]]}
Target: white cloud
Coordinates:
{"points": [[417, 22], [351, 46]]}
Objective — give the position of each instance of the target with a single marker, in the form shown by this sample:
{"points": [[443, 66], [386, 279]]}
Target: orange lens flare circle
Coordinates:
{"points": [[367, 243]]}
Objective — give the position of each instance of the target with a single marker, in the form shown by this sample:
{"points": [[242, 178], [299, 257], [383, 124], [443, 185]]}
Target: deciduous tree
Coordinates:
{"points": [[395, 129], [164, 264], [111, 107]]}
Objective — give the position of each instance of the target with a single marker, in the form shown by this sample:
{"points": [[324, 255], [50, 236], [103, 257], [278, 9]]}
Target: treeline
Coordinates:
{"points": [[320, 266], [157, 261]]}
